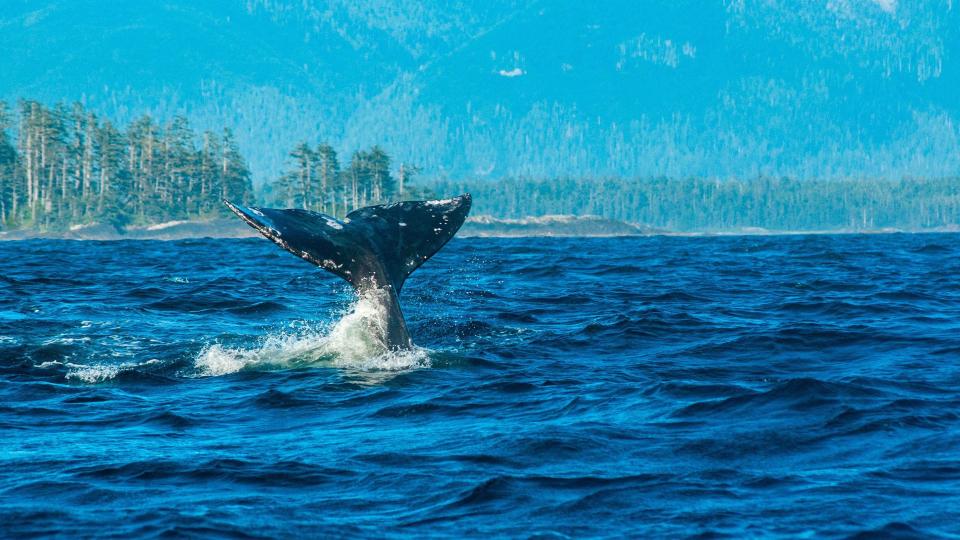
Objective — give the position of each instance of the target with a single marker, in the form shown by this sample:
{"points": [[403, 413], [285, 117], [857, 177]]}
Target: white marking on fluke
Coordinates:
{"points": [[440, 202]]}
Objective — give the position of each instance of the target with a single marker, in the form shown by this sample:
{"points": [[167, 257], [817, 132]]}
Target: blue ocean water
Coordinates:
{"points": [[664, 386]]}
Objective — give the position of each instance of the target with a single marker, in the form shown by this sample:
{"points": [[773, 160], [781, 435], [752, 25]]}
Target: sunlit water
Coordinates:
{"points": [[749, 386]]}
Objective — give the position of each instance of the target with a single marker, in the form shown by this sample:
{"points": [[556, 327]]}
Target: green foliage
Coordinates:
{"points": [[316, 182], [63, 166], [696, 204], [9, 164], [68, 167]]}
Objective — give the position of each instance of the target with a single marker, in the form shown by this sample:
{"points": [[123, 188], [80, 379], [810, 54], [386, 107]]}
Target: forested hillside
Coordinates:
{"points": [[678, 88]]}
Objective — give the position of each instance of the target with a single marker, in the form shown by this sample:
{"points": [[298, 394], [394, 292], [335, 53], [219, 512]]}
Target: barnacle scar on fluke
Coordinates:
{"points": [[374, 248]]}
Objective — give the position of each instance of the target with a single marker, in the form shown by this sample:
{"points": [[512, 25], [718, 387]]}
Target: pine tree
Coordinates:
{"points": [[383, 186], [405, 186], [113, 187], [179, 193], [236, 183], [328, 174], [210, 175], [359, 178], [9, 177], [142, 151], [303, 158]]}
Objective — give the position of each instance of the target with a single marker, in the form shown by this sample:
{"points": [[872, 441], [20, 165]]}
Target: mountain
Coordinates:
{"points": [[726, 88]]}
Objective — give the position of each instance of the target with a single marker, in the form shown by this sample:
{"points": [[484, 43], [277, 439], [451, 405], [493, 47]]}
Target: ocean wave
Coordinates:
{"points": [[256, 472], [656, 387], [800, 395], [96, 372]]}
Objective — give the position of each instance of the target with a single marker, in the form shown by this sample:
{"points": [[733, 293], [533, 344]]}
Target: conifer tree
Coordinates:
{"points": [[328, 173], [67, 167], [9, 172], [236, 183], [382, 184]]}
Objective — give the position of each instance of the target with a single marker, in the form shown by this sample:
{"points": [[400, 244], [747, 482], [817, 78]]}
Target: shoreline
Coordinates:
{"points": [[475, 227]]}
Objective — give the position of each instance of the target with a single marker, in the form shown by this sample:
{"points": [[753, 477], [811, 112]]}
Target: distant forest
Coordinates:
{"points": [[63, 166], [696, 204], [315, 181], [68, 167]]}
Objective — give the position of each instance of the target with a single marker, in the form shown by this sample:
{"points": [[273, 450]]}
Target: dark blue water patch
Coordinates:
{"points": [[721, 387]]}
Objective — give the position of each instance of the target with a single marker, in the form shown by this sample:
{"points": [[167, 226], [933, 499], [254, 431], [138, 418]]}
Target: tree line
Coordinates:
{"points": [[698, 204], [67, 166], [62, 166]]}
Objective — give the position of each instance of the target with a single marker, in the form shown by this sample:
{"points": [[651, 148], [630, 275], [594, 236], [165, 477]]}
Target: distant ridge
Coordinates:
{"points": [[521, 87]]}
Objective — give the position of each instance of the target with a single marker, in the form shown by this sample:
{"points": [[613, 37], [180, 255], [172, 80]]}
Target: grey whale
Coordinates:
{"points": [[374, 248]]}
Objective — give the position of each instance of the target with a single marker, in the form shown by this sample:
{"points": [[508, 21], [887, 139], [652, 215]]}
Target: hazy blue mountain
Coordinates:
{"points": [[521, 87]]}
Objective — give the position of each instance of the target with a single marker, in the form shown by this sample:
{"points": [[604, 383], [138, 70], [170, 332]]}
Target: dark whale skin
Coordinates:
{"points": [[374, 248]]}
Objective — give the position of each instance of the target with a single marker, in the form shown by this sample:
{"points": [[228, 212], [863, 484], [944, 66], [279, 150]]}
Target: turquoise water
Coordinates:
{"points": [[740, 386]]}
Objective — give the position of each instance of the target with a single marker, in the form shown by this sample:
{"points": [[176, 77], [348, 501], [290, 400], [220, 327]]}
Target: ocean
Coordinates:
{"points": [[750, 386]]}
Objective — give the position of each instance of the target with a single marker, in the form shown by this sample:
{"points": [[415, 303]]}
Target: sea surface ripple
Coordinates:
{"points": [[663, 386]]}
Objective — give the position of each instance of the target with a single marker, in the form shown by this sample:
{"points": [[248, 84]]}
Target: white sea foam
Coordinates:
{"points": [[96, 373], [354, 343]]}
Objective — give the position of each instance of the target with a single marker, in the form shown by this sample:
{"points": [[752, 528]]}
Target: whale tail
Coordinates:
{"points": [[376, 246]]}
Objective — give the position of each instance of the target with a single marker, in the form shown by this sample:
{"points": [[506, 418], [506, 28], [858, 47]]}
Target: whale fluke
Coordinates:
{"points": [[375, 247]]}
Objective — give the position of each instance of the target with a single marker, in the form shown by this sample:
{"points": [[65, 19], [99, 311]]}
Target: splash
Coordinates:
{"points": [[355, 342]]}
